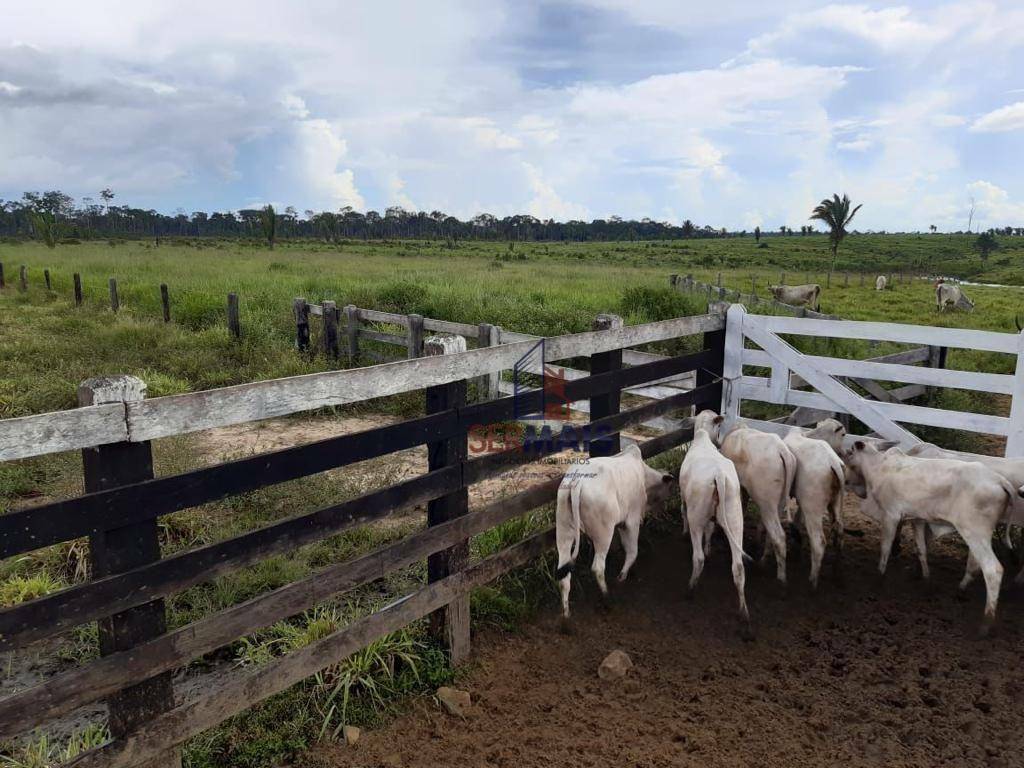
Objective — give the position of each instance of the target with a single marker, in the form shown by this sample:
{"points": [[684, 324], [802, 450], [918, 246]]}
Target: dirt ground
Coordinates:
{"points": [[861, 674]]}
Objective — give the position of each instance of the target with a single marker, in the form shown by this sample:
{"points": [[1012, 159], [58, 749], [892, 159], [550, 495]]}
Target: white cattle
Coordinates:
{"points": [[766, 468], [880, 283], [818, 490], [596, 498], [946, 494], [950, 295], [797, 295], [831, 431], [710, 491]]}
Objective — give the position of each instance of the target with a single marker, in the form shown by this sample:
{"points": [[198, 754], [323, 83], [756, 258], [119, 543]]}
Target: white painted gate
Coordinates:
{"points": [[833, 395]]}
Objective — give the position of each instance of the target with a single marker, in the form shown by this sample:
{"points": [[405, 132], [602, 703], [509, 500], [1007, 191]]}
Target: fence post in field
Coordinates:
{"points": [[234, 320], [753, 287], [78, 289], [46, 279], [450, 624], [828, 279], [846, 279], [606, 404], [715, 341], [719, 279], [3, 283], [301, 309], [673, 280], [488, 336], [330, 328], [415, 348], [782, 278], [936, 359], [120, 549], [1015, 438], [115, 302], [352, 329], [165, 302], [23, 275]]}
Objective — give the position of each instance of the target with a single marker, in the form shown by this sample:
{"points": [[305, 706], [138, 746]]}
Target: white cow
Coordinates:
{"points": [[766, 468], [950, 295], [831, 431], [880, 283], [797, 295], [964, 496], [710, 491], [818, 490], [596, 498]]}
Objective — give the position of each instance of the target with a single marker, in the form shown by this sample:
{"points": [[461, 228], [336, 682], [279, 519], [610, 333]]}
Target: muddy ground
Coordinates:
{"points": [[855, 675]]}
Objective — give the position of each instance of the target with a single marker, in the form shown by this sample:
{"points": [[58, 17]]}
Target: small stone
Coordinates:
{"points": [[454, 700], [615, 665], [351, 734]]}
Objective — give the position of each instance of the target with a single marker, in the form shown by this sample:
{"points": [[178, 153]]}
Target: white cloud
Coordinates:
{"points": [[320, 151], [1008, 118], [993, 205], [546, 203], [855, 145]]}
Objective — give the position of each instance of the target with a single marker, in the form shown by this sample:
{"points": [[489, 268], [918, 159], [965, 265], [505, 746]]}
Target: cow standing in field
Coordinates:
{"points": [[946, 494], [880, 283], [950, 295], [818, 490], [797, 295], [607, 493], [766, 468], [710, 490]]}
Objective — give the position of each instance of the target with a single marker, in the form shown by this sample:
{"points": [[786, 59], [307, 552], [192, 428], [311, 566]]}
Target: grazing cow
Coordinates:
{"points": [[880, 283], [950, 295], [766, 468], [609, 492], [710, 491], [964, 496], [818, 490], [797, 295]]}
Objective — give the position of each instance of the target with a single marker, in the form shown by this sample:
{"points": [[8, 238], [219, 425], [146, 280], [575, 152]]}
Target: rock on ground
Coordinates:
{"points": [[454, 700], [615, 665]]}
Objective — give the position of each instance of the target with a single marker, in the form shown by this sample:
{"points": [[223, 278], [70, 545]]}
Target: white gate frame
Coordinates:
{"points": [[832, 395]]}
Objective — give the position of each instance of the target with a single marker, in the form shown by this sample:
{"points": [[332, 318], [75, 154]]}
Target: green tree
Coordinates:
{"points": [[44, 226], [985, 244], [757, 234], [268, 218], [837, 215]]}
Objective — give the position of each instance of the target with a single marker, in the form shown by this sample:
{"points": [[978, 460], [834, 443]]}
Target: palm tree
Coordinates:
{"points": [[837, 215], [45, 227], [268, 217]]}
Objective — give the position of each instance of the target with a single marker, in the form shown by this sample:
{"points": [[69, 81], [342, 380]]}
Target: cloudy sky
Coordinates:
{"points": [[732, 113]]}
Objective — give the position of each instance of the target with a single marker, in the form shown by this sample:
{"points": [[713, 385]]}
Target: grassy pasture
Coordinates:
{"points": [[47, 346]]}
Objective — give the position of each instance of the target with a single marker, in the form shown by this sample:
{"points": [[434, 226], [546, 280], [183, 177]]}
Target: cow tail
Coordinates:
{"points": [[789, 466], [735, 538], [1014, 510], [835, 504], [567, 509]]}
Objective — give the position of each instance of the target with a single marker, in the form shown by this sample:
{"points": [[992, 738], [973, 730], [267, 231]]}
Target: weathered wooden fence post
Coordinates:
{"points": [[352, 329], [415, 348], [46, 279], [115, 302], [753, 286], [936, 359], [331, 329], [301, 310], [450, 624], [23, 275], [488, 336], [78, 289], [782, 278], [828, 279], [673, 281], [3, 283], [234, 319], [712, 373], [606, 404], [846, 279], [121, 549], [719, 279], [165, 301]]}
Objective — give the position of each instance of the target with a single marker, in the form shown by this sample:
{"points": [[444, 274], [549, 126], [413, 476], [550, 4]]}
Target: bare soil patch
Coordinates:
{"points": [[857, 674]]}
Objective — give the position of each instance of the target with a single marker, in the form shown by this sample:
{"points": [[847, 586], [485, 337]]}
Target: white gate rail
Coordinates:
{"points": [[788, 364]]}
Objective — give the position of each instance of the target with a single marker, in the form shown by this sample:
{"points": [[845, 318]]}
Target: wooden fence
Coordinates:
{"points": [[124, 502], [234, 324]]}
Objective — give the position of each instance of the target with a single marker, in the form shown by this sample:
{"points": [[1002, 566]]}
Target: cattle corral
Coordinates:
{"points": [[130, 423]]}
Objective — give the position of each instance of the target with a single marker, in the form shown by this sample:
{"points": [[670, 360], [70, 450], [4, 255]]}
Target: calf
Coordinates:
{"points": [[607, 493], [880, 283], [818, 490], [766, 468], [710, 491], [965, 496]]}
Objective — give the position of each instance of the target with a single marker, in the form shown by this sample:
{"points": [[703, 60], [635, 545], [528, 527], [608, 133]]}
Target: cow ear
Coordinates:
{"points": [[859, 445], [718, 419], [839, 428]]}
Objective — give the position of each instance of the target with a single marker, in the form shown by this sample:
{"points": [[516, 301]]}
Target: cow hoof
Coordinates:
{"points": [[747, 632]]}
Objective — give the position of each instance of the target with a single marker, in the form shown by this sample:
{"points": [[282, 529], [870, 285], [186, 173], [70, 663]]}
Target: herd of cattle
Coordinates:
{"points": [[946, 295], [937, 491]]}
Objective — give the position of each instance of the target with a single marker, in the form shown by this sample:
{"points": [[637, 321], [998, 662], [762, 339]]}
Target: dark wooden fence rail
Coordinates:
{"points": [[121, 511]]}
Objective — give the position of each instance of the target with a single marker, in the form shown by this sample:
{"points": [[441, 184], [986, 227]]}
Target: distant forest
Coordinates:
{"points": [[104, 219]]}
